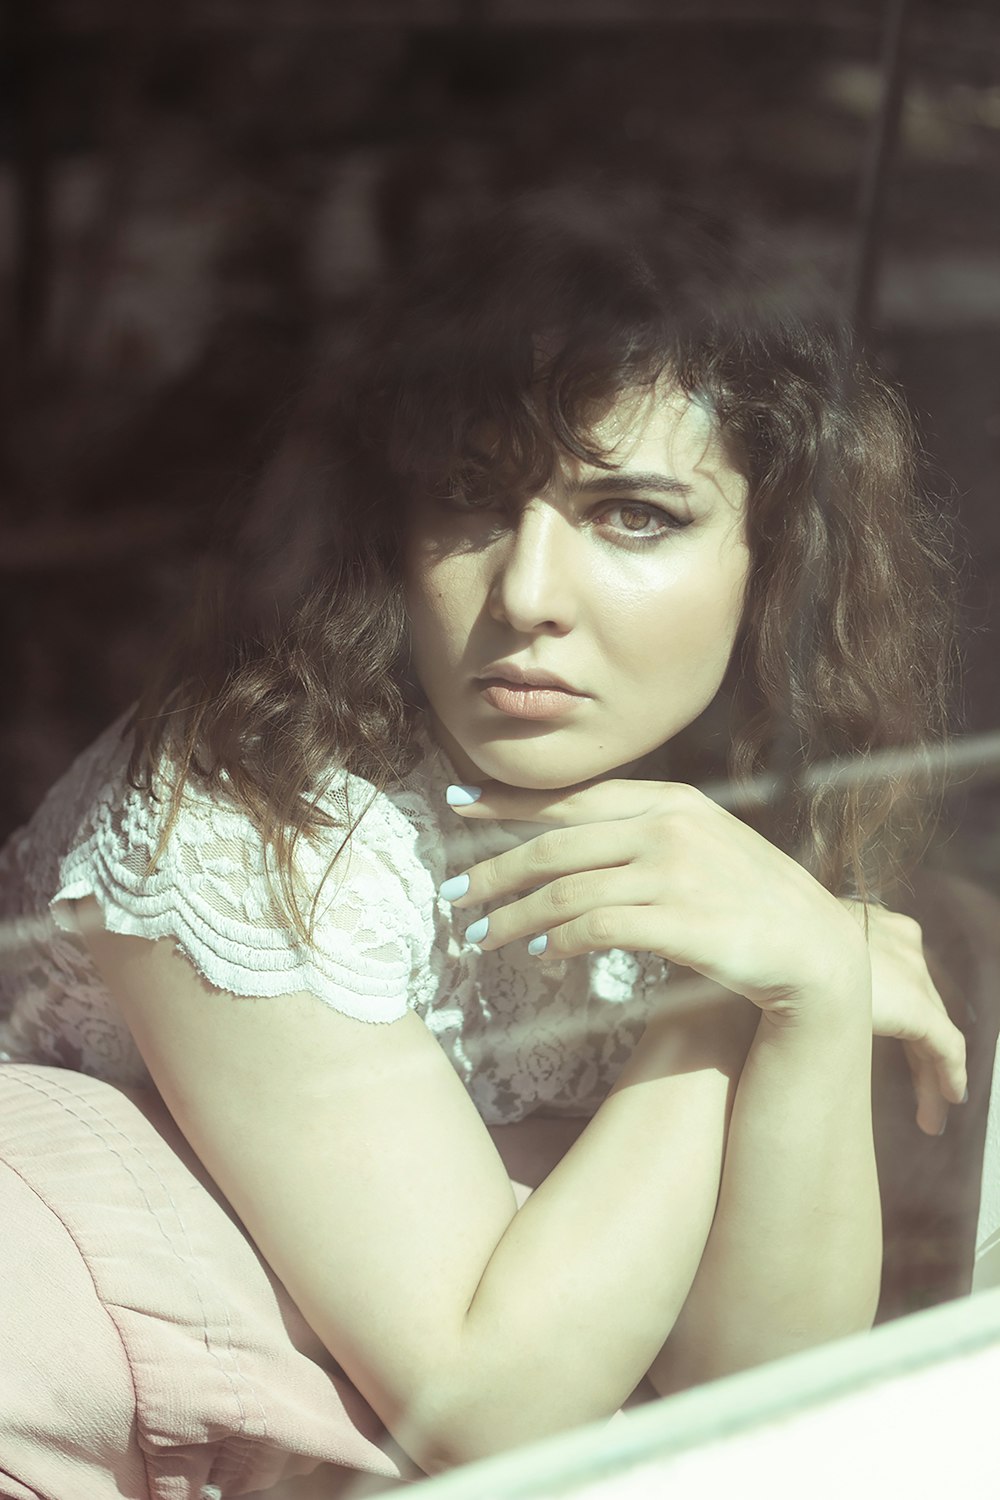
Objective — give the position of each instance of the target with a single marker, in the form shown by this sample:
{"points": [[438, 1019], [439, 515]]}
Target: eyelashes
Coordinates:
{"points": [[621, 532], [665, 521]]}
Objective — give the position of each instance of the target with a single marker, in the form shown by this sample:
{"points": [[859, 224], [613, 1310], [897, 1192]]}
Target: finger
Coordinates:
{"points": [[587, 802], [943, 1048], [555, 853], [932, 1107], [564, 901], [636, 929]]}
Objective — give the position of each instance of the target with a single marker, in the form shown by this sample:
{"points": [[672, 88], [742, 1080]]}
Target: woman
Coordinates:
{"points": [[402, 846]]}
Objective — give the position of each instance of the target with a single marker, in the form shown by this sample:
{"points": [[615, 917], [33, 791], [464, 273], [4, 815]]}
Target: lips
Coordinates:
{"points": [[527, 677], [528, 692], [520, 701]]}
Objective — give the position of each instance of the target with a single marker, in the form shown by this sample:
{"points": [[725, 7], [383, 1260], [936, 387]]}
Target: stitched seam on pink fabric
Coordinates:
{"points": [[47, 1088], [24, 1489], [97, 1294], [50, 1093]]}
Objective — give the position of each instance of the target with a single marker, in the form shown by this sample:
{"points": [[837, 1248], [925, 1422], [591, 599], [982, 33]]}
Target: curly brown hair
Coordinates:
{"points": [[494, 357]]}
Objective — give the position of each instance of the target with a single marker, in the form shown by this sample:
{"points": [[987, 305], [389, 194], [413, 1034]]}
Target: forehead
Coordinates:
{"points": [[661, 429], [658, 421]]}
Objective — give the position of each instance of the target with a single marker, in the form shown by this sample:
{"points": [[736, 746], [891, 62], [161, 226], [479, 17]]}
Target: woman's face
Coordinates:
{"points": [[565, 636]]}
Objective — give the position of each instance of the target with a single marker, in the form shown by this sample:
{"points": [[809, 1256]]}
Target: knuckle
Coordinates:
{"points": [[488, 878], [684, 805], [664, 825], [936, 1003], [692, 802], [564, 894], [907, 928], [685, 795], [600, 928], [543, 851], [947, 1042]]}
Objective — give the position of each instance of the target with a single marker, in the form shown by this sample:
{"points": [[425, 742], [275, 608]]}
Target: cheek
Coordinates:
{"points": [[420, 596], [693, 616], [439, 594]]}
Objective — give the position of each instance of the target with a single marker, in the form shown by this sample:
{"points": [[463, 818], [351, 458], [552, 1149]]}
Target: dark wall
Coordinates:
{"points": [[194, 198]]}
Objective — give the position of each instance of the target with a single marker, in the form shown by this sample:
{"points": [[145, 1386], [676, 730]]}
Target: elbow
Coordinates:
{"points": [[449, 1431], [445, 1441], [436, 1430], [447, 1438]]}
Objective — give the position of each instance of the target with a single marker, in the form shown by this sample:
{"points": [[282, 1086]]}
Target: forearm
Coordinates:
{"points": [[592, 1271], [794, 1254]]}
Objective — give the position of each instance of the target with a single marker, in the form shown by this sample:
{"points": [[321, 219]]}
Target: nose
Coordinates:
{"points": [[533, 587]]}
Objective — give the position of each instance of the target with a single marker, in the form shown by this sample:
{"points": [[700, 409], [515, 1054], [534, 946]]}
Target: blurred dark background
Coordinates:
{"points": [[195, 197]]}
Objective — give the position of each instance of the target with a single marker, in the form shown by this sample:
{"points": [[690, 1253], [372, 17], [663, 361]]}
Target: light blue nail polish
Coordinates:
{"points": [[538, 945], [455, 888], [944, 1127], [462, 796], [477, 931], [965, 1097]]}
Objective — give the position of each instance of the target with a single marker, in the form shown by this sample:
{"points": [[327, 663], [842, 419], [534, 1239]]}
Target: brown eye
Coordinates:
{"points": [[634, 517], [635, 522]]}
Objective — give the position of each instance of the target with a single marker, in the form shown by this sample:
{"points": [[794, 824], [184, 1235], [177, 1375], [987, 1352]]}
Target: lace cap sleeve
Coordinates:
{"points": [[210, 891]]}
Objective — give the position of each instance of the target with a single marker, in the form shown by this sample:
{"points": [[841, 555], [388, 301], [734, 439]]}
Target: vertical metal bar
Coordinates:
{"points": [[784, 764], [875, 171]]}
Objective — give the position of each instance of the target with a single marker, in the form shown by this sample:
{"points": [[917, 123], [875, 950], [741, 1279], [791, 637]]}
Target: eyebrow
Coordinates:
{"points": [[618, 482]]}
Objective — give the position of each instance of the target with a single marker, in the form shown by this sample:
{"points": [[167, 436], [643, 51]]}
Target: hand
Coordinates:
{"points": [[906, 1004], [658, 866]]}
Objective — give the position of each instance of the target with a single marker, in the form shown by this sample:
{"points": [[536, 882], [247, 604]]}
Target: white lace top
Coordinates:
{"points": [[524, 1035]]}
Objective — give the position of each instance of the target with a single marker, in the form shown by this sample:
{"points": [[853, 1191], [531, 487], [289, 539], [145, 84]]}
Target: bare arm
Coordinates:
{"points": [[364, 1173], [771, 1271], [794, 1254], [362, 1170]]}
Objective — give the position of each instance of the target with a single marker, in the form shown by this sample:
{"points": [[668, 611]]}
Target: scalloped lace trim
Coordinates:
{"points": [[522, 1035]]}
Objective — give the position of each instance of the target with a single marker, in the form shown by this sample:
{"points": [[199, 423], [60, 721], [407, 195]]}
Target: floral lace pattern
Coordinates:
{"points": [[523, 1035]]}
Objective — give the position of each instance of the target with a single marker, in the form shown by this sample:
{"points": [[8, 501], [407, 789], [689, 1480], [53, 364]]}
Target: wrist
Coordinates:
{"points": [[837, 999]]}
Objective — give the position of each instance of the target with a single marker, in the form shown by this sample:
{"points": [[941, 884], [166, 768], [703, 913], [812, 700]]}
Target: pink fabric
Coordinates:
{"points": [[145, 1348]]}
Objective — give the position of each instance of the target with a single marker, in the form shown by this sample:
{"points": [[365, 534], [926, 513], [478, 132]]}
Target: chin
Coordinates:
{"points": [[540, 767]]}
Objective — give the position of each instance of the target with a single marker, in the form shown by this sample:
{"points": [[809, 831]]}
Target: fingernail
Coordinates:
{"points": [[965, 1097], [538, 945], [944, 1126], [455, 888], [477, 931], [462, 796]]}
